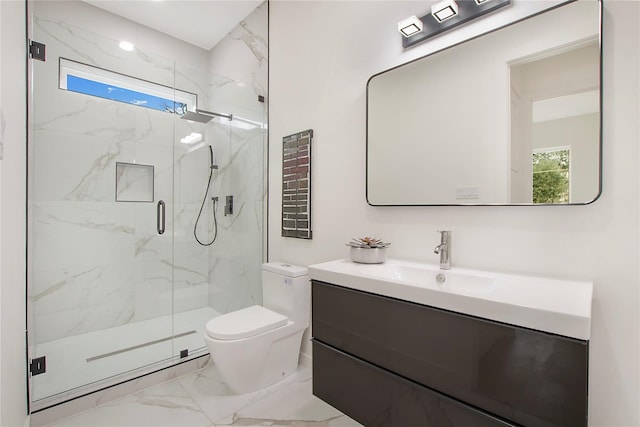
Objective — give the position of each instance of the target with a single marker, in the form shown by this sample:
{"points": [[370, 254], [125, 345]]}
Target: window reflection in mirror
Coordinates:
{"points": [[555, 103], [552, 175]]}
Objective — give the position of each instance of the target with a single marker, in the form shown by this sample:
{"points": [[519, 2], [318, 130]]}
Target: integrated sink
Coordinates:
{"points": [[556, 306], [430, 276]]}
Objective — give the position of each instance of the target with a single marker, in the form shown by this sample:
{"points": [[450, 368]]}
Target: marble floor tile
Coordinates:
{"points": [[166, 404], [210, 392], [292, 405], [201, 398]]}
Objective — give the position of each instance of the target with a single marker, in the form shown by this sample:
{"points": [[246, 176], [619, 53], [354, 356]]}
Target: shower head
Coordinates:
{"points": [[203, 116], [197, 117]]}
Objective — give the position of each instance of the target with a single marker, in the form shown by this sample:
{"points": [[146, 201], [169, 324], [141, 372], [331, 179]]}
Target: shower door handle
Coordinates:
{"points": [[160, 217]]}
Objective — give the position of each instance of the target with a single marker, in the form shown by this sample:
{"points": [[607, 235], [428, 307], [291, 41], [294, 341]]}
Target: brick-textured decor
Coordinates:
{"points": [[296, 185]]}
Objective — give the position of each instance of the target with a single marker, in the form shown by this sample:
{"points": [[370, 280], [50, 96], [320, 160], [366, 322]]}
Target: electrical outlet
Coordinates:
{"points": [[468, 192]]}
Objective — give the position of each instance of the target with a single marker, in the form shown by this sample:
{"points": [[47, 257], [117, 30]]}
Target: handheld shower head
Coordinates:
{"points": [[214, 199], [211, 165]]}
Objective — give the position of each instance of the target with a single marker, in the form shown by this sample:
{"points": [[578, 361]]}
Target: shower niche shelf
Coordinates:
{"points": [[134, 182]]}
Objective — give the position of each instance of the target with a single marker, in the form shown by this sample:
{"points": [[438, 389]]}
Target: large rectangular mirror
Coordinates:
{"points": [[509, 118]]}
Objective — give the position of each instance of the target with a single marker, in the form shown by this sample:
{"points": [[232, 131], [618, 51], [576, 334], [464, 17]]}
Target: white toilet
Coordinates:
{"points": [[257, 346]]}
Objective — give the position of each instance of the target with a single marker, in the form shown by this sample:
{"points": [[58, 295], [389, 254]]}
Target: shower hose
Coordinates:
{"points": [[204, 200]]}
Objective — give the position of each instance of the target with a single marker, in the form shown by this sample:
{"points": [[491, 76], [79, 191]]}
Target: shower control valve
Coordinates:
{"points": [[228, 208]]}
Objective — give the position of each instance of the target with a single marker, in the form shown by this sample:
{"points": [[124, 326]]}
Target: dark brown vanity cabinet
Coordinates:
{"points": [[388, 362]]}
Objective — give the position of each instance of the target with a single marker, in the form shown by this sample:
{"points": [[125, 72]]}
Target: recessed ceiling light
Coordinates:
{"points": [[192, 138], [126, 46]]}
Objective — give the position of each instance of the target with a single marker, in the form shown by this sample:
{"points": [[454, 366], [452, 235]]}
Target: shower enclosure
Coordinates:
{"points": [[118, 286]]}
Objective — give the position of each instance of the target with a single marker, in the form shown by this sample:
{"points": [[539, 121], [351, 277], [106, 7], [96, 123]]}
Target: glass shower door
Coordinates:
{"points": [[100, 257], [219, 203], [118, 285]]}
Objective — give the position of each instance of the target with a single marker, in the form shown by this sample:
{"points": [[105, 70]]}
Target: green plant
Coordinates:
{"points": [[367, 242]]}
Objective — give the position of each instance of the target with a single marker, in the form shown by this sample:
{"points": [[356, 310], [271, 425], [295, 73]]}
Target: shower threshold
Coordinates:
{"points": [[76, 363], [135, 347]]}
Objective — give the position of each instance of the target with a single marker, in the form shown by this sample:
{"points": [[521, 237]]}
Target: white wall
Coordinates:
{"points": [[13, 402], [319, 66]]}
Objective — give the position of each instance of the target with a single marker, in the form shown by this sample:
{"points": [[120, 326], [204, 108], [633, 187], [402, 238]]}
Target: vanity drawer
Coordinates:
{"points": [[375, 397], [528, 377]]}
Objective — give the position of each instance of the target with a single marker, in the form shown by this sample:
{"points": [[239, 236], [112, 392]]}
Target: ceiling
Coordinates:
{"points": [[561, 107], [202, 23]]}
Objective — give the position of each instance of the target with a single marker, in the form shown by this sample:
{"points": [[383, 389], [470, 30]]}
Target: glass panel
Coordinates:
{"points": [[100, 275], [218, 255], [229, 278], [196, 184], [119, 298]]}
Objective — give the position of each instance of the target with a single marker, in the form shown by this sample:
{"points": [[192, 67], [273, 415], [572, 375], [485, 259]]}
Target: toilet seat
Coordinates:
{"points": [[244, 323]]}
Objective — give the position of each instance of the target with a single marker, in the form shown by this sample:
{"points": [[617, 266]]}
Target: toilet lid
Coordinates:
{"points": [[244, 323]]}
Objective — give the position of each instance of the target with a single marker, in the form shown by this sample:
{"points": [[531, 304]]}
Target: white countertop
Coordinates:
{"points": [[558, 306]]}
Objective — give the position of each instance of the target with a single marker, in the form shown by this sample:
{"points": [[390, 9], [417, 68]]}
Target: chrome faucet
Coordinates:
{"points": [[444, 249]]}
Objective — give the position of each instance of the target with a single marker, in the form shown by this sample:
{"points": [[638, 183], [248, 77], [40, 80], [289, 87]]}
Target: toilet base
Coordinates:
{"points": [[251, 364]]}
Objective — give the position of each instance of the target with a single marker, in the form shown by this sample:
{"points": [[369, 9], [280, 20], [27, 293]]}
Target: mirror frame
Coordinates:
{"points": [[600, 103]]}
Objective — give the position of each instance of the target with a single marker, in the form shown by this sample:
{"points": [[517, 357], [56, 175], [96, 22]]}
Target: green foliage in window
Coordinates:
{"points": [[551, 177]]}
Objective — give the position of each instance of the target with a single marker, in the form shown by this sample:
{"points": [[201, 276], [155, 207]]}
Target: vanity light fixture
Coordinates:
{"points": [[446, 9], [440, 18], [410, 26]]}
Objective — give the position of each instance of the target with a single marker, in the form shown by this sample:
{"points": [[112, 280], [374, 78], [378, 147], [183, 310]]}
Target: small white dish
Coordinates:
{"points": [[367, 255]]}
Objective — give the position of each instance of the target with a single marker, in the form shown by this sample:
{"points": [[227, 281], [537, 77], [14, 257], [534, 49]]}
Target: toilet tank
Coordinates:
{"points": [[286, 290]]}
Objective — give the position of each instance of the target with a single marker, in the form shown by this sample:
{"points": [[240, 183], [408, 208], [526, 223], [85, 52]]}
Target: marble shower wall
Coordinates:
{"points": [[95, 263], [240, 61]]}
